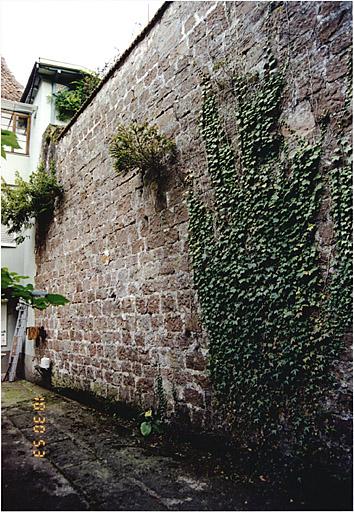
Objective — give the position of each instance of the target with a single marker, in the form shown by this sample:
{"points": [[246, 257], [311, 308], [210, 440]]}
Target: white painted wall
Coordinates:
{"points": [[44, 115], [13, 163], [21, 259]]}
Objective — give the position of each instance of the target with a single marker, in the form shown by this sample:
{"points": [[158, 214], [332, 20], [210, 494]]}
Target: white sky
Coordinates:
{"points": [[84, 32]]}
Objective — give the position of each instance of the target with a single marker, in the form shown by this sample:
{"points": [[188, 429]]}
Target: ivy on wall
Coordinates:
{"points": [[340, 285], [273, 325]]}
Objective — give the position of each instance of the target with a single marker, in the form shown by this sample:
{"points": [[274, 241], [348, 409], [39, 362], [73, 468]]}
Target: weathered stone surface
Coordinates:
{"points": [[95, 462], [118, 248]]}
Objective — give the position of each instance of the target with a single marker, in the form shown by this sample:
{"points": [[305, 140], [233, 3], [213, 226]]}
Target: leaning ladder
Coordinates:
{"points": [[18, 341]]}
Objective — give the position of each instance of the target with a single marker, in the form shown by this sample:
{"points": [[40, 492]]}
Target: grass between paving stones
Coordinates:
{"points": [[313, 487]]}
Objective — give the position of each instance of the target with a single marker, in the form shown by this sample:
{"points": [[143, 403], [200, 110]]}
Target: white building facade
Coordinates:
{"points": [[28, 114]]}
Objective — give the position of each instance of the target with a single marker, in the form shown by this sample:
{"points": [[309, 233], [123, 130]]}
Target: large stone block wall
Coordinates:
{"points": [[118, 248]]}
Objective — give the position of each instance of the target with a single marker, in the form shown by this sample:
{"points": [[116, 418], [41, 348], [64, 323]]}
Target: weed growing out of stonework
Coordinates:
{"points": [[29, 202], [140, 146], [161, 396], [52, 133], [154, 420], [275, 327], [152, 423]]}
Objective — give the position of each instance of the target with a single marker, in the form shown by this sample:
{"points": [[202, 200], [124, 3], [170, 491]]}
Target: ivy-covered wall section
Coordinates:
{"points": [[275, 321]]}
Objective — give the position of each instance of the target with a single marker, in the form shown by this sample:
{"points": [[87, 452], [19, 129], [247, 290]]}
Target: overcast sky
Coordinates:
{"points": [[85, 32]]}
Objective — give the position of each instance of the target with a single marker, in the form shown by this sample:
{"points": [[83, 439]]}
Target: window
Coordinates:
{"points": [[20, 124]]}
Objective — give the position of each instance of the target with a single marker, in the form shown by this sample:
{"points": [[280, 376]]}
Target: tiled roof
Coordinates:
{"points": [[10, 88]]}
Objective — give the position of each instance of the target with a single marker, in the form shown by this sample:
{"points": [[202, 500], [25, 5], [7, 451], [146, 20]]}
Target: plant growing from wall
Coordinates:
{"points": [[273, 336], [51, 134], [11, 289], [154, 420], [69, 101], [29, 202], [140, 146]]}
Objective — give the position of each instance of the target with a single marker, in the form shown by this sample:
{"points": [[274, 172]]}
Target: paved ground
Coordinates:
{"points": [[95, 463]]}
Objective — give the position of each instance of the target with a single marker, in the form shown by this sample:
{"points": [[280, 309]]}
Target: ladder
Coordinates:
{"points": [[18, 341]]}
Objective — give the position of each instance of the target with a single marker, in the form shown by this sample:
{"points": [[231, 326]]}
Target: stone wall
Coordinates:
{"points": [[118, 248]]}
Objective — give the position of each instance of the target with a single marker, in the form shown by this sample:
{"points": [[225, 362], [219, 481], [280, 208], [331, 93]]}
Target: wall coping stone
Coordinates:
{"points": [[120, 61]]}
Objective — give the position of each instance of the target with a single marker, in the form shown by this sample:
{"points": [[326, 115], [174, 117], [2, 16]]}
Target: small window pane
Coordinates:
{"points": [[21, 125]]}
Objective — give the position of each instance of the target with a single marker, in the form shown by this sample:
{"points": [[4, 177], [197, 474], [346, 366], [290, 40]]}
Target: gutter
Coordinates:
{"points": [[118, 64]]}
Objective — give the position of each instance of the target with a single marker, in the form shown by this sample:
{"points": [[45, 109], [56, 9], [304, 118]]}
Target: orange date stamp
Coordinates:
{"points": [[39, 427]]}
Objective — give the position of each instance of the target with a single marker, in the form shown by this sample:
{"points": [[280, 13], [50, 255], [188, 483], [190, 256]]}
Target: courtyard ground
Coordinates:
{"points": [[94, 461]]}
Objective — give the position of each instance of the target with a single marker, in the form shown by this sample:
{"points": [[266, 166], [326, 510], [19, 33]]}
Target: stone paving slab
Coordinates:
{"points": [[93, 463], [29, 483]]}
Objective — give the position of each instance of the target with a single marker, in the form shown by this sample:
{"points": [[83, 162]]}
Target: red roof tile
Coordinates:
{"points": [[11, 89]]}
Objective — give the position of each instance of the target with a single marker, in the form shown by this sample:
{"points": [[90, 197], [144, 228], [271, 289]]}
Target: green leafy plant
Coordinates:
{"points": [[340, 303], [8, 139], [139, 146], [154, 421], [69, 101], [11, 289], [161, 396], [271, 320], [29, 202]]}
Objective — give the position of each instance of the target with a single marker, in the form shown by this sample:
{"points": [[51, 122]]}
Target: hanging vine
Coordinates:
{"points": [[273, 336]]}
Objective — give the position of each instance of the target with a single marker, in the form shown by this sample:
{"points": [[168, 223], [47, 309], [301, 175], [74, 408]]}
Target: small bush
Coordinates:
{"points": [[29, 202], [139, 146]]}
